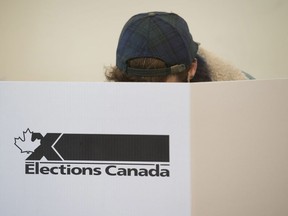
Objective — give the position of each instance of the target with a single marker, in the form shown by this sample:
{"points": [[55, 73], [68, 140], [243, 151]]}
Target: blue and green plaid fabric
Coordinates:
{"points": [[159, 35]]}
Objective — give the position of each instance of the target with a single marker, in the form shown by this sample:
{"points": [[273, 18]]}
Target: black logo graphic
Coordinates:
{"points": [[81, 154], [94, 147]]}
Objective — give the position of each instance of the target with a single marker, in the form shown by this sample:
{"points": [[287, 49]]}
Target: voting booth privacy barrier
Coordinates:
{"points": [[144, 149]]}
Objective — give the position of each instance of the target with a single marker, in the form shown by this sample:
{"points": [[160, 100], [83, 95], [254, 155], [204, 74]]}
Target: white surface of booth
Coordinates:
{"points": [[144, 149]]}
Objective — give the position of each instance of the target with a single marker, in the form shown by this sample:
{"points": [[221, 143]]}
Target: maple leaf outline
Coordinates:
{"points": [[25, 144]]}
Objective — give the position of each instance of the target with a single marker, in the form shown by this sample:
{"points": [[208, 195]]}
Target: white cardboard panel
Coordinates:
{"points": [[234, 133], [94, 108], [240, 148]]}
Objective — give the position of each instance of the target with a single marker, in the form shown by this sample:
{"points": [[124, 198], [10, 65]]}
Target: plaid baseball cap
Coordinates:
{"points": [[160, 35]]}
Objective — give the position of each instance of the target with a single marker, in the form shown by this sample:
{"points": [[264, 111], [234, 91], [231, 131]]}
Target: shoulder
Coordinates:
{"points": [[221, 70]]}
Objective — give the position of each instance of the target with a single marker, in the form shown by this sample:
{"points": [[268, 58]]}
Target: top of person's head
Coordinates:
{"points": [[156, 35]]}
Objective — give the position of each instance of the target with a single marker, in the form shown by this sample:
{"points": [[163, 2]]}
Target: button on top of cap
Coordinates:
{"points": [[151, 14]]}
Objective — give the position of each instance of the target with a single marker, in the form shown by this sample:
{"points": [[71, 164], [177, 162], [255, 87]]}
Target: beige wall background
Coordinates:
{"points": [[73, 40]]}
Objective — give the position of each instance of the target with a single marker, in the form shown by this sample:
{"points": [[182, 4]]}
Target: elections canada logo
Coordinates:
{"points": [[94, 154]]}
